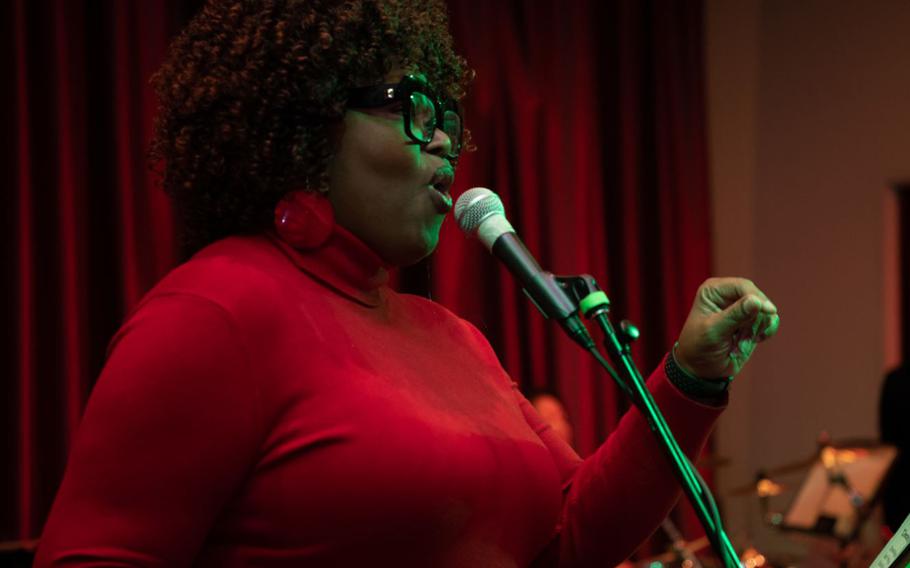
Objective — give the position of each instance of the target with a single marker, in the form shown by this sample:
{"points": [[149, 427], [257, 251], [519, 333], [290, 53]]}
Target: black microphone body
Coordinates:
{"points": [[540, 286], [480, 213]]}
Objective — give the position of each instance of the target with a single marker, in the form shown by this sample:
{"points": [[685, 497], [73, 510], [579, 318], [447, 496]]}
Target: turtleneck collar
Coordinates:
{"points": [[343, 263]]}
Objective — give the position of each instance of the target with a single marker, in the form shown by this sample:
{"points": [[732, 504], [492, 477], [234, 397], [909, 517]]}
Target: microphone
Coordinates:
{"points": [[479, 213]]}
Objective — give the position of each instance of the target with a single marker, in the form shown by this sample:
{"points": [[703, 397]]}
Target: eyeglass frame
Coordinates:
{"points": [[375, 96]]}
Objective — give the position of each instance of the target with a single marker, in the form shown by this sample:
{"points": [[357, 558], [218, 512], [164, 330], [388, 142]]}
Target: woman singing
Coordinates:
{"points": [[271, 402]]}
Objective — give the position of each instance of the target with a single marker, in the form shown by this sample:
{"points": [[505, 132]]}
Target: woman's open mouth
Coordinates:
{"points": [[439, 188]]}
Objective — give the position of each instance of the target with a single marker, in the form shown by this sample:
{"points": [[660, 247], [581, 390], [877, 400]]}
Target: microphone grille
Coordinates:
{"points": [[474, 206]]}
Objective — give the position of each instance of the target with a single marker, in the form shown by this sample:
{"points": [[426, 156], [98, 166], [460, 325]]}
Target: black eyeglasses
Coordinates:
{"points": [[424, 111]]}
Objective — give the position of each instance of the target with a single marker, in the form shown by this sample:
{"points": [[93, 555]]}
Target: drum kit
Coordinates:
{"points": [[833, 502]]}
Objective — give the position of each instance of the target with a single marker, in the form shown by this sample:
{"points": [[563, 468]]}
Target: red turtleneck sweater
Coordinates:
{"points": [[264, 406]]}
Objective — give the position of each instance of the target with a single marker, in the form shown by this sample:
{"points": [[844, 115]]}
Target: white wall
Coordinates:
{"points": [[809, 111]]}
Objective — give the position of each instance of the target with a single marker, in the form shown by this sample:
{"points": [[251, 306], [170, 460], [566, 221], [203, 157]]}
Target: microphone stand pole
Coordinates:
{"points": [[595, 305]]}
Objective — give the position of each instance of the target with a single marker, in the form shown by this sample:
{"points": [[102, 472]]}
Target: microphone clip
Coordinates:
{"points": [[585, 293], [593, 302]]}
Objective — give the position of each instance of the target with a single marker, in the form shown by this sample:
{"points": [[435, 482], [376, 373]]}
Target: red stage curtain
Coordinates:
{"points": [[87, 233], [589, 122]]}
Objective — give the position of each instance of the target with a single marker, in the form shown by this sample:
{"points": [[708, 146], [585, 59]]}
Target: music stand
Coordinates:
{"points": [[837, 494]]}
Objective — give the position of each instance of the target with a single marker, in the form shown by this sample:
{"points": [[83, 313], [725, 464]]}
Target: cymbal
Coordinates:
{"points": [[761, 488], [766, 475], [855, 443], [831, 452], [792, 467], [844, 453]]}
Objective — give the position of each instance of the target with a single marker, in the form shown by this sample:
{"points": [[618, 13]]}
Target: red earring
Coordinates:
{"points": [[304, 219]]}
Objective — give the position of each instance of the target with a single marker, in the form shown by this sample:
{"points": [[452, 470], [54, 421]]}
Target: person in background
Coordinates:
{"points": [[553, 411]]}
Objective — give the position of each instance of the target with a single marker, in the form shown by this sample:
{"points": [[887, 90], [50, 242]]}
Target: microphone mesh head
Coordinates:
{"points": [[474, 206]]}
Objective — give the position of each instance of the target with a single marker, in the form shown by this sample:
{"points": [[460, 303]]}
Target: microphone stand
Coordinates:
{"points": [[595, 305]]}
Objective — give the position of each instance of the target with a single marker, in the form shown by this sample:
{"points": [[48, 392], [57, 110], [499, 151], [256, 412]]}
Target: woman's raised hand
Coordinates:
{"points": [[729, 318]]}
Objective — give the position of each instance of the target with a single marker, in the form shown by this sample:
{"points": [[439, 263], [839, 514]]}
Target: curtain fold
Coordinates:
{"points": [[589, 122], [91, 232]]}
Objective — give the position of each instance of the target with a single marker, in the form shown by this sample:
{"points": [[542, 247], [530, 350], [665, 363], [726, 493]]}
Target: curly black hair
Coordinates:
{"points": [[251, 90]]}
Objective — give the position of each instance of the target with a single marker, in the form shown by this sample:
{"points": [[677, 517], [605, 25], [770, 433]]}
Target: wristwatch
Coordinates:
{"points": [[703, 390]]}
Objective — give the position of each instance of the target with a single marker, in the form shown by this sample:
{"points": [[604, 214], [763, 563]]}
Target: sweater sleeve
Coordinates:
{"points": [[169, 433], [614, 499]]}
